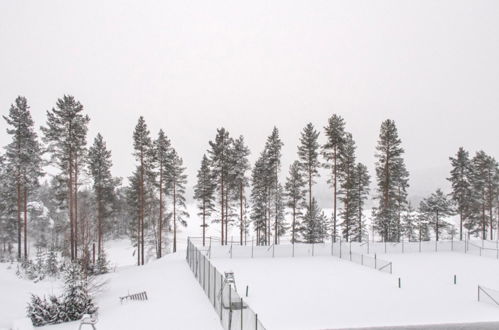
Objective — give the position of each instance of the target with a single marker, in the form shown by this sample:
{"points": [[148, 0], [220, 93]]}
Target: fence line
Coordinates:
{"points": [[341, 250], [233, 311]]}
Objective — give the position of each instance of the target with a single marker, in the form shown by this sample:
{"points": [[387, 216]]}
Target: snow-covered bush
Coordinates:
{"points": [[70, 306]]}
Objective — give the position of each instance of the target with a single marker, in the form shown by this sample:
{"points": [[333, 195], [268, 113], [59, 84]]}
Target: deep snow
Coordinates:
{"points": [[327, 293]]}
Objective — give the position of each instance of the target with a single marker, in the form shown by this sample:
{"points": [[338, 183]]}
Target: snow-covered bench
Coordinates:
{"points": [[89, 320]]}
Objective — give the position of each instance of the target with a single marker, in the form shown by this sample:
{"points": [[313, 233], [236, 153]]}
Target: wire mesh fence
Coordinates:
{"points": [[340, 249], [233, 311]]}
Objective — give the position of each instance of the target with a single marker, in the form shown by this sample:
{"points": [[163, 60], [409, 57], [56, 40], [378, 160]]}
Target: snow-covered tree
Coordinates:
{"points": [[331, 151], [204, 191], [360, 194], [143, 152], [308, 155], [348, 188], [23, 156], [163, 165], [175, 186], [314, 224], [240, 165], [392, 183], [435, 209], [294, 192], [460, 178], [99, 164]]}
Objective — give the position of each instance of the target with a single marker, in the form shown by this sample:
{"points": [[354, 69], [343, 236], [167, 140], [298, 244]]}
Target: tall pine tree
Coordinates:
{"points": [[23, 155], [308, 154], [391, 178], [65, 134], [460, 179], [332, 150], [204, 192], [295, 190]]}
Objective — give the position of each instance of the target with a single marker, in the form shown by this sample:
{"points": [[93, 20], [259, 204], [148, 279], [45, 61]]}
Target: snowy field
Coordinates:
{"points": [[328, 293]]}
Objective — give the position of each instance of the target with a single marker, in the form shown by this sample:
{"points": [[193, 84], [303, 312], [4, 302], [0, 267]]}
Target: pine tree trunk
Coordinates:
{"points": [[99, 222], [241, 211], [70, 205], [461, 224], [293, 238], [437, 226], [222, 207], [25, 221], [204, 220], [75, 197], [174, 217], [141, 209], [226, 222], [160, 225], [19, 225], [334, 192]]}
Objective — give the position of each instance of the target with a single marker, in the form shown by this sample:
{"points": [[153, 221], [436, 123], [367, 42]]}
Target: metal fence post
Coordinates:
{"points": [[256, 321], [252, 248], [375, 262]]}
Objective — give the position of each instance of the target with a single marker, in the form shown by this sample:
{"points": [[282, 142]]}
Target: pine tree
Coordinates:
{"points": [[332, 150], [65, 133], [348, 187], [485, 185], [220, 162], [163, 151], [240, 165], [295, 190], [259, 198], [308, 154], [100, 163], [391, 181], [410, 223], [176, 182], [204, 191], [273, 147], [435, 208], [314, 224], [143, 153], [24, 157], [460, 178], [8, 209], [362, 181]]}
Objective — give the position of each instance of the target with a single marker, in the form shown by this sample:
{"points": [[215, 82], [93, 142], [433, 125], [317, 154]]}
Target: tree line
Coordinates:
{"points": [[83, 204]]}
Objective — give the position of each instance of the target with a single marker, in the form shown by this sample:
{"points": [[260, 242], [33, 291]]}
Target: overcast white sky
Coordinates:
{"points": [[192, 66]]}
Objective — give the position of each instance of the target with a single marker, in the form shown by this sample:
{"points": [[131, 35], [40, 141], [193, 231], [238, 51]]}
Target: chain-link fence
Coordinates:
{"points": [[233, 311], [341, 250]]}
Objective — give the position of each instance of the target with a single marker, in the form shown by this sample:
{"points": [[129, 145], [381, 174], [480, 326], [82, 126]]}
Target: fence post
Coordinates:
{"points": [[214, 288], [209, 283], [231, 250], [230, 306], [385, 246], [221, 296], [256, 321], [399, 283], [375, 262], [273, 250], [362, 259], [455, 279], [242, 313], [479, 293]]}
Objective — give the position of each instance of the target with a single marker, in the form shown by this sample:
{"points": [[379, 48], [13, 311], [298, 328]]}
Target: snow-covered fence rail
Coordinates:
{"points": [[233, 311], [339, 249]]}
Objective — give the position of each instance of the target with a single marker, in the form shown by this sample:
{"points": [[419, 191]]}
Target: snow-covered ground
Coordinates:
{"points": [[327, 293], [15, 293]]}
